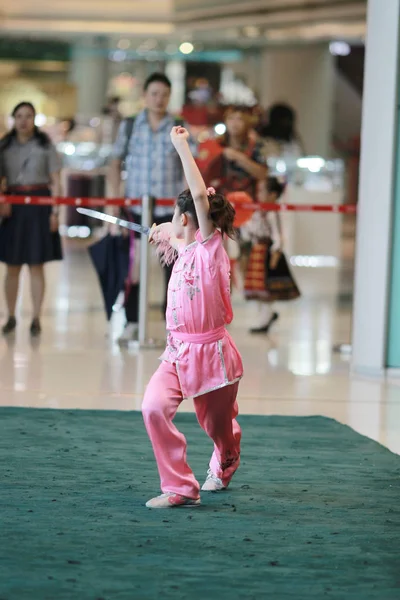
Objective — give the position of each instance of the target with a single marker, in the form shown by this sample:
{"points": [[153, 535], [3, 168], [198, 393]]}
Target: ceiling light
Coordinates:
{"points": [[186, 48], [251, 31]]}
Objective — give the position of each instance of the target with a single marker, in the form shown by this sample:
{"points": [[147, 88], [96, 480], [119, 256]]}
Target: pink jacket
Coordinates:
{"points": [[199, 307]]}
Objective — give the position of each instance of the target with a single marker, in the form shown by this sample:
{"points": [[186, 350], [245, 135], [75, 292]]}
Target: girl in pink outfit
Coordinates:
{"points": [[201, 359]]}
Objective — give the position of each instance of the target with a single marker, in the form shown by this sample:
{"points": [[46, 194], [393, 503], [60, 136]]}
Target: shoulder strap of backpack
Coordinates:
{"points": [[130, 121]]}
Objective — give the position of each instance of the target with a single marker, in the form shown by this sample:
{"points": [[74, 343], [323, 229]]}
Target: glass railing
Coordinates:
{"points": [[313, 173], [310, 172], [85, 156]]}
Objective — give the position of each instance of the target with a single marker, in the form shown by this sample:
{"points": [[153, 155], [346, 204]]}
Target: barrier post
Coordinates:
{"points": [[144, 271]]}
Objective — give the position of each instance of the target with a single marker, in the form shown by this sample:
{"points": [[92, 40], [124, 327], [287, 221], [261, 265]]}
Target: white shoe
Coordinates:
{"points": [[213, 483], [130, 334], [172, 500]]}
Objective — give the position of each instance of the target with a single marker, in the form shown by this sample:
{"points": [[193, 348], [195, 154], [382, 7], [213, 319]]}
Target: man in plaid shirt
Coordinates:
{"points": [[153, 168]]}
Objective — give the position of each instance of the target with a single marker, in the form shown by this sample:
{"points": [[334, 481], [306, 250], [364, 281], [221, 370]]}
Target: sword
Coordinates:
{"points": [[95, 214]]}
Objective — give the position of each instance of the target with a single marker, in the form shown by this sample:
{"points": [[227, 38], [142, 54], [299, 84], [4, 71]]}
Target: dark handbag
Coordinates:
{"points": [[280, 282]]}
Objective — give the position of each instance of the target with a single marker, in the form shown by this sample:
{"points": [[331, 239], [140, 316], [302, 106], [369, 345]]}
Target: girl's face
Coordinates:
{"points": [[24, 120], [178, 223], [236, 125]]}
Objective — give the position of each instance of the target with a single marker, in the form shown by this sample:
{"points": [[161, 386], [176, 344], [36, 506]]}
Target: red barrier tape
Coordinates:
{"points": [[93, 202]]}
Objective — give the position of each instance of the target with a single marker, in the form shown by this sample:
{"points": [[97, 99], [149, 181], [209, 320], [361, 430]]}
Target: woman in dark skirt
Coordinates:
{"points": [[29, 166], [268, 277]]}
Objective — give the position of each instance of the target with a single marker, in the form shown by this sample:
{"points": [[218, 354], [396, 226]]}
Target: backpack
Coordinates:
{"points": [[130, 122]]}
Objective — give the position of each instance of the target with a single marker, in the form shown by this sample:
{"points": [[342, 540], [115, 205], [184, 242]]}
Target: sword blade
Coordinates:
{"points": [[95, 214]]}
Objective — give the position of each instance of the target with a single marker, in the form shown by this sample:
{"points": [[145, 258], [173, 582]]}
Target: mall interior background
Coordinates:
{"points": [[71, 58]]}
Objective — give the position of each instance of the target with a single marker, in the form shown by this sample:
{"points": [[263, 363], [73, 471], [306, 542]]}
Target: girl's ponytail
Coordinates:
{"points": [[222, 214]]}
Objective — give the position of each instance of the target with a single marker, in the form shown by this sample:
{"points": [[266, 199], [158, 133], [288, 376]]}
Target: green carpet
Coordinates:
{"points": [[313, 513]]}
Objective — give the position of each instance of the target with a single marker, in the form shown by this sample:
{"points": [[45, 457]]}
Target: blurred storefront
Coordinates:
{"points": [[37, 70]]}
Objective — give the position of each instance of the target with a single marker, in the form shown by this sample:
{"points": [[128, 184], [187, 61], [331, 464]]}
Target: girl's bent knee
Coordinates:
{"points": [[152, 408]]}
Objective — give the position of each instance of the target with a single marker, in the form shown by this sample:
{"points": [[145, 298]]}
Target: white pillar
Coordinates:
{"points": [[378, 137], [302, 77], [175, 70], [250, 71], [89, 72]]}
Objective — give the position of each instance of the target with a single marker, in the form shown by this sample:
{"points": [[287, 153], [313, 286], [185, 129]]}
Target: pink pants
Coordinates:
{"points": [[216, 412]]}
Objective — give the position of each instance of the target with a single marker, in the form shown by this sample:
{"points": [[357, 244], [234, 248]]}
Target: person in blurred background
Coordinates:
{"points": [[153, 168], [241, 167], [29, 166], [67, 126], [268, 278], [280, 136]]}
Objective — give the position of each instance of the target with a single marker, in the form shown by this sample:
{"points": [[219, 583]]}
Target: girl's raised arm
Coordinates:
{"points": [[179, 138]]}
